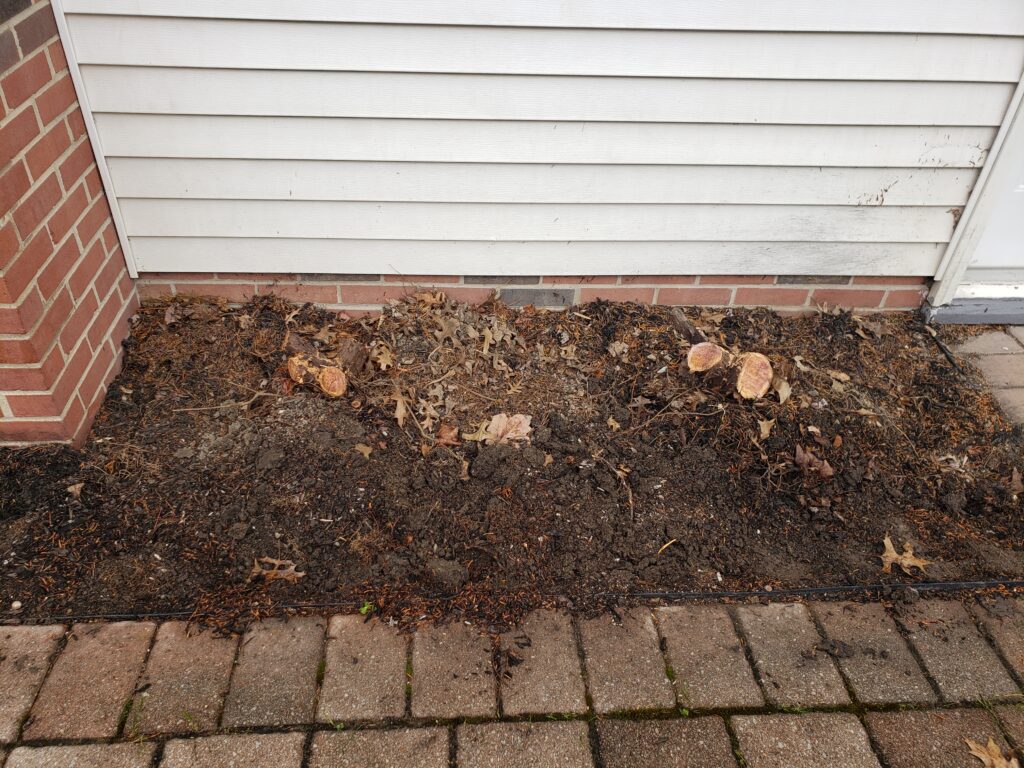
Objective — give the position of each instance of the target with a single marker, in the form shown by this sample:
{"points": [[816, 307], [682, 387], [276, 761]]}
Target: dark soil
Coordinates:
{"points": [[638, 475]]}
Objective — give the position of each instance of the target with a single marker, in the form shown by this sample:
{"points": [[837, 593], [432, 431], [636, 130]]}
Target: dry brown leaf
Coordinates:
{"points": [[808, 462], [364, 449], [401, 407], [766, 428], [619, 349], [906, 560], [705, 356], [548, 459], [76, 490], [505, 429], [283, 570], [428, 299], [464, 475], [991, 755], [613, 424], [838, 375], [1016, 486], [447, 434], [480, 434], [382, 355], [782, 388], [755, 376]]}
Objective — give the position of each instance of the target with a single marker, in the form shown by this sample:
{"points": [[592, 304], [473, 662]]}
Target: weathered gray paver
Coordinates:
{"points": [[364, 675], [700, 742], [542, 667], [257, 750], [1005, 625], [185, 682], [804, 741], [452, 673], [955, 654], [25, 654], [873, 654], [83, 756], [991, 343], [786, 649], [1002, 370], [1012, 718], [625, 668], [707, 657], [274, 682], [408, 748], [931, 739], [92, 679], [1012, 403], [524, 745]]}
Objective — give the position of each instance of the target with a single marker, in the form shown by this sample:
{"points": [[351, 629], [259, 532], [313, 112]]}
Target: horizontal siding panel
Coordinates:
{"points": [[517, 97], [162, 42], [994, 17], [482, 221], [412, 257], [535, 183], [540, 142]]}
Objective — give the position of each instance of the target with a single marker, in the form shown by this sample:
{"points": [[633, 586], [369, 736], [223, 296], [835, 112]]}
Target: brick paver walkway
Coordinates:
{"points": [[692, 686], [1000, 356]]}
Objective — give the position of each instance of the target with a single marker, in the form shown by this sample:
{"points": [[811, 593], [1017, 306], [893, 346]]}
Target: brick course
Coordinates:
{"points": [[361, 293], [64, 291]]}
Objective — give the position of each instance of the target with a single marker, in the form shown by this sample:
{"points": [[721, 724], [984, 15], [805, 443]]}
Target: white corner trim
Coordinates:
{"points": [[94, 138], [967, 234]]}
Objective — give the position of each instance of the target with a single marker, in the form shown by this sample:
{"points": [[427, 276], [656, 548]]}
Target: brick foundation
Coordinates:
{"points": [[65, 294], [357, 294]]}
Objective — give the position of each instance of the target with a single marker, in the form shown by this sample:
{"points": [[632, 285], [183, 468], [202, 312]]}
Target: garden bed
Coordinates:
{"points": [[208, 462]]}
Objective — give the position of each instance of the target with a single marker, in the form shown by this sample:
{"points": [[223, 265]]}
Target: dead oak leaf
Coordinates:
{"points": [[401, 407], [381, 354], [613, 424], [991, 755], [905, 560], [765, 428], [447, 434], [505, 429], [275, 570], [364, 449]]}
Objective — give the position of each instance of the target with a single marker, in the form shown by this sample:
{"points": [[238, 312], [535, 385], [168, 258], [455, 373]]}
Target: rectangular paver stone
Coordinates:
{"points": [[256, 750], [1012, 718], [91, 681], [990, 343], [873, 655], [83, 756], [1012, 403], [274, 681], [524, 745], [787, 654], [700, 742], [185, 682], [25, 654], [1002, 370], [542, 667], [1004, 623], [452, 673], [407, 748], [364, 675], [931, 739], [625, 668], [707, 657], [955, 654], [804, 741]]}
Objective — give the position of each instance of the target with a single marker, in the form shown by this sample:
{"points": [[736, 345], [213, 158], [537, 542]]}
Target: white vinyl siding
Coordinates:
{"points": [[526, 137]]}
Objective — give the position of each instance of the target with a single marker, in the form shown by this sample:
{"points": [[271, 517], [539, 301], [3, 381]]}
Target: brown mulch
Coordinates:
{"points": [[637, 475]]}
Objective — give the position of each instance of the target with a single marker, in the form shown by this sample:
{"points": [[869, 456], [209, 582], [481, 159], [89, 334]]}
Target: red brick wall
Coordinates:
{"points": [[65, 295], [363, 293]]}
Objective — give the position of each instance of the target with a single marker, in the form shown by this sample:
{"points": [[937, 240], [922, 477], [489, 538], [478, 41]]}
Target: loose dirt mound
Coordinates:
{"points": [[635, 474]]}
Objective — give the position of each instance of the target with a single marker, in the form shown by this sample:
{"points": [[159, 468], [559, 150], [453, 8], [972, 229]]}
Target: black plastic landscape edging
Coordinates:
{"points": [[839, 589]]}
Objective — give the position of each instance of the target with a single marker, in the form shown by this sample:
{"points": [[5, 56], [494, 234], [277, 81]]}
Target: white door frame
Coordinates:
{"points": [[1007, 151]]}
